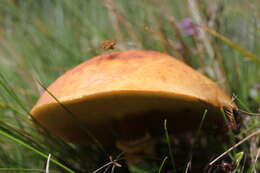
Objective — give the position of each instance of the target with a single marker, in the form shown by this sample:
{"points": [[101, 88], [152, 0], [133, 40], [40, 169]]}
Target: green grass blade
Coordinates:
{"points": [[35, 150], [169, 144], [7, 88], [200, 125], [163, 163], [232, 44], [238, 157]]}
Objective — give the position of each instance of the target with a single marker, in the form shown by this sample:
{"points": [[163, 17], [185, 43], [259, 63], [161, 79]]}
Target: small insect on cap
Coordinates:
{"points": [[125, 95]]}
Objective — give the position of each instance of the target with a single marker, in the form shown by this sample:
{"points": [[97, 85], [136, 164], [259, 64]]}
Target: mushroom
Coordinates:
{"points": [[122, 99]]}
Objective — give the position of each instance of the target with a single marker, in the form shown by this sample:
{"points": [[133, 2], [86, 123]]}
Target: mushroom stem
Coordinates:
{"points": [[136, 150]]}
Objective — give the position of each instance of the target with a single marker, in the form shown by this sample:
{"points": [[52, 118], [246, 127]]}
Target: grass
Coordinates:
{"points": [[40, 40]]}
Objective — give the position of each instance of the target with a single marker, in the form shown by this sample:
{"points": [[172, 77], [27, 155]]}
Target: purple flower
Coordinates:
{"points": [[257, 86], [188, 27], [247, 118]]}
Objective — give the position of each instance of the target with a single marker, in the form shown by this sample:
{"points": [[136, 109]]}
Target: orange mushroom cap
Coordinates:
{"points": [[124, 95]]}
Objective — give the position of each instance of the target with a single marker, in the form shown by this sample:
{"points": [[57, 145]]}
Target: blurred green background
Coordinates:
{"points": [[41, 39]]}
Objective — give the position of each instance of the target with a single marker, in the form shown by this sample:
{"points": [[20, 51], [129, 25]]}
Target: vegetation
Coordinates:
{"points": [[40, 40]]}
